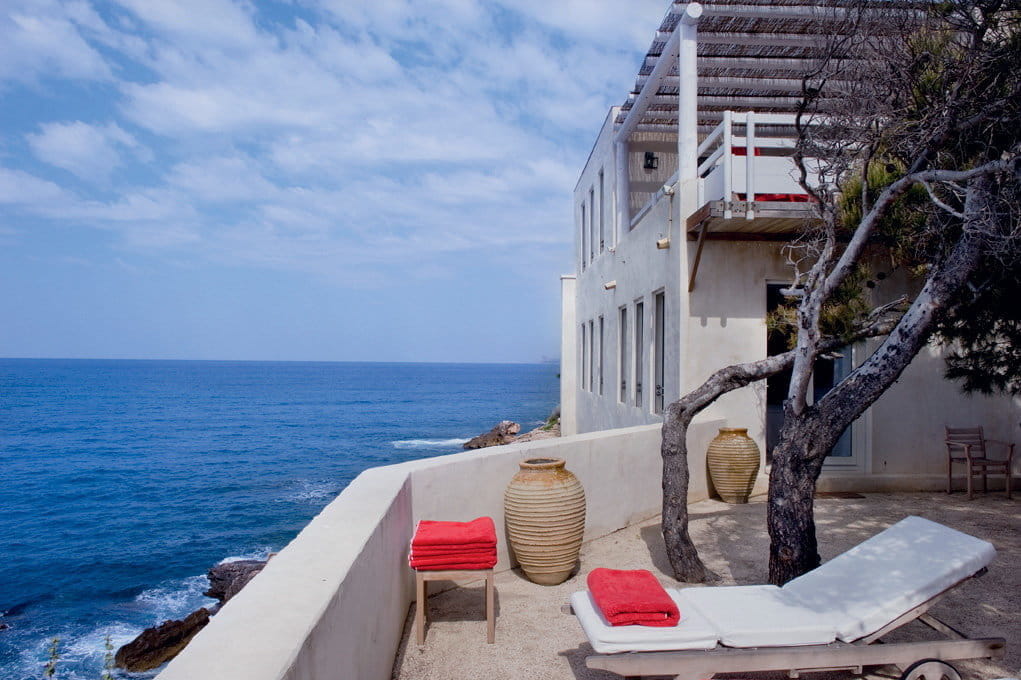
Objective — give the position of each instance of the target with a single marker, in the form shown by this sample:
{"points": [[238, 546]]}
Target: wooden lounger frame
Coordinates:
{"points": [[692, 664]]}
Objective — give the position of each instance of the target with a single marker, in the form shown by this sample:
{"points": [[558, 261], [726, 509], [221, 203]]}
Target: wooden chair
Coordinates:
{"points": [[971, 442]]}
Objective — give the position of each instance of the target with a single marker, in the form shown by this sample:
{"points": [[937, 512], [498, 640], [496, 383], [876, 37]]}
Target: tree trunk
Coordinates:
{"points": [[790, 515], [684, 559], [683, 556]]}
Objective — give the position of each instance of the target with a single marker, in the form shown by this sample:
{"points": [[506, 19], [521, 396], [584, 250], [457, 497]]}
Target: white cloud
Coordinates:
{"points": [[199, 22], [89, 151], [39, 39], [223, 179], [18, 187]]}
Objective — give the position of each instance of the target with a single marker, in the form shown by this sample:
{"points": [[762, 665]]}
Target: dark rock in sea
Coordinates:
{"points": [[227, 579], [503, 433], [4, 626], [157, 645]]}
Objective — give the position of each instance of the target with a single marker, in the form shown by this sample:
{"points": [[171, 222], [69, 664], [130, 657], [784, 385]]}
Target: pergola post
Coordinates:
{"points": [[687, 92], [623, 193]]}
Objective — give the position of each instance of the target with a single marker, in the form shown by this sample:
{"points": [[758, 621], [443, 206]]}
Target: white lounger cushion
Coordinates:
{"points": [[693, 632], [847, 598], [761, 616], [886, 576]]}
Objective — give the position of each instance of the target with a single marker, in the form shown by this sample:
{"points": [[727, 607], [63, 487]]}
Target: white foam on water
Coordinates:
{"points": [[427, 443], [312, 491], [260, 553], [176, 600], [78, 651]]}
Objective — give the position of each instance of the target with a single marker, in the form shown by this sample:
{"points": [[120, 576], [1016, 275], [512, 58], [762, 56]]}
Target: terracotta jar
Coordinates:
{"points": [[544, 506], [733, 460]]}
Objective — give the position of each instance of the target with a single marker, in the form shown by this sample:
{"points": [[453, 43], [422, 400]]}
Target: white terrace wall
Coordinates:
{"points": [[332, 604]]}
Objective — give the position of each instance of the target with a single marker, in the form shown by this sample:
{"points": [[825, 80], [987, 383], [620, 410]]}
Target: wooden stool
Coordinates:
{"points": [[423, 577]]}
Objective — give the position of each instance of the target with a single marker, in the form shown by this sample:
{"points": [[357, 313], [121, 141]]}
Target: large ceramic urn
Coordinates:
{"points": [[544, 506], [733, 460]]}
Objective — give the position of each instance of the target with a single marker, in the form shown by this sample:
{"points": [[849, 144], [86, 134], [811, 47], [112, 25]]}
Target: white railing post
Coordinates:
{"points": [[749, 185], [728, 165]]}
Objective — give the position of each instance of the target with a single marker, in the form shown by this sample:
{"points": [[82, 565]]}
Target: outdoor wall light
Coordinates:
{"points": [[663, 243], [609, 285], [651, 161]]}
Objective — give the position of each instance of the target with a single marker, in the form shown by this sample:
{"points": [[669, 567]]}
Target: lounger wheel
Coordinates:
{"points": [[930, 669]]}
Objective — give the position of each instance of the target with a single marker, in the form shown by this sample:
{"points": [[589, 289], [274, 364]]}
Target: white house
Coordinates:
{"points": [[682, 212]]}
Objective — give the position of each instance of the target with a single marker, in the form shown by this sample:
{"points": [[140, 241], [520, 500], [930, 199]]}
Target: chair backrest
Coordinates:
{"points": [[967, 435]]}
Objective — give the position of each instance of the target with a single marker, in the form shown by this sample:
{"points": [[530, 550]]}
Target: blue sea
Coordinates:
{"points": [[123, 482]]}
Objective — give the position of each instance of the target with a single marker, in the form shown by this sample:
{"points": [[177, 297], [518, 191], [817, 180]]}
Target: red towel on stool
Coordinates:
{"points": [[455, 563], [480, 532], [443, 551], [632, 597], [439, 546]]}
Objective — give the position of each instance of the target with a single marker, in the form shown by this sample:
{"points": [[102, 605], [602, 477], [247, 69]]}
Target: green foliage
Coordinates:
{"points": [[50, 669], [108, 659], [553, 420], [840, 317], [901, 233], [982, 329]]}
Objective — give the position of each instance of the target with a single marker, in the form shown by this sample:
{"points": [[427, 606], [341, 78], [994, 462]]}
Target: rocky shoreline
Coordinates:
{"points": [[506, 432], [159, 644]]}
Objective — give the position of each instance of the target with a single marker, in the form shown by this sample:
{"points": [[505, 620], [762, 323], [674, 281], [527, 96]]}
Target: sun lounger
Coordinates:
{"points": [[827, 619]]}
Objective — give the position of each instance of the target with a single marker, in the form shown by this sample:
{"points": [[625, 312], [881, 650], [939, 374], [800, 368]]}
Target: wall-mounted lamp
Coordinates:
{"points": [[651, 161], [663, 243], [609, 285]]}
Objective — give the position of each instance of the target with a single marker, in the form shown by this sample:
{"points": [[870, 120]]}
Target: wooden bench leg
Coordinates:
{"points": [[490, 609], [420, 597]]}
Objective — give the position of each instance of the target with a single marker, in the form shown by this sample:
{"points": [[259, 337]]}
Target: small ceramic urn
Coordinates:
{"points": [[733, 460]]}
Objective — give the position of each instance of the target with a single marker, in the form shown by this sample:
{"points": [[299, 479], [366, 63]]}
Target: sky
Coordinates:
{"points": [[325, 180]]}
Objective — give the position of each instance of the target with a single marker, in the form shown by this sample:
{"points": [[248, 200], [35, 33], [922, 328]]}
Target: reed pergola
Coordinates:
{"points": [[754, 55]]}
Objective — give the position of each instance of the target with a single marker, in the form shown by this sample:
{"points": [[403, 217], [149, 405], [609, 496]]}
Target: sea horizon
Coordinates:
{"points": [[543, 362]]}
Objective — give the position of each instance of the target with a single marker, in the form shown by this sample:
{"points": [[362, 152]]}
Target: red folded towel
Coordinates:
{"points": [[464, 555], [444, 550], [478, 531], [452, 563], [632, 597]]}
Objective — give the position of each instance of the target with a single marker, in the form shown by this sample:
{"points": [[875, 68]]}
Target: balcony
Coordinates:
{"points": [[747, 184]]}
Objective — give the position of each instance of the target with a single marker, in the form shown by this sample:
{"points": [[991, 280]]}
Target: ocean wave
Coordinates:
{"points": [[427, 443], [175, 600], [261, 553]]}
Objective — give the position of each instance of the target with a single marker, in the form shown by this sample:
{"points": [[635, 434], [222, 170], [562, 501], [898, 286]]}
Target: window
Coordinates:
{"points": [[584, 239], [602, 211], [592, 220], [639, 350], [582, 357], [601, 356], [623, 367], [660, 346], [591, 356]]}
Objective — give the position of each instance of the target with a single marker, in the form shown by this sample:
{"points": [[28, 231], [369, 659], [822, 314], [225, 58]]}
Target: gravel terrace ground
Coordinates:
{"points": [[534, 640]]}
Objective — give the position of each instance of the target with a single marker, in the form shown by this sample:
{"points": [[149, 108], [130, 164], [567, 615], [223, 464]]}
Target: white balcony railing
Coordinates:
{"points": [[745, 168]]}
